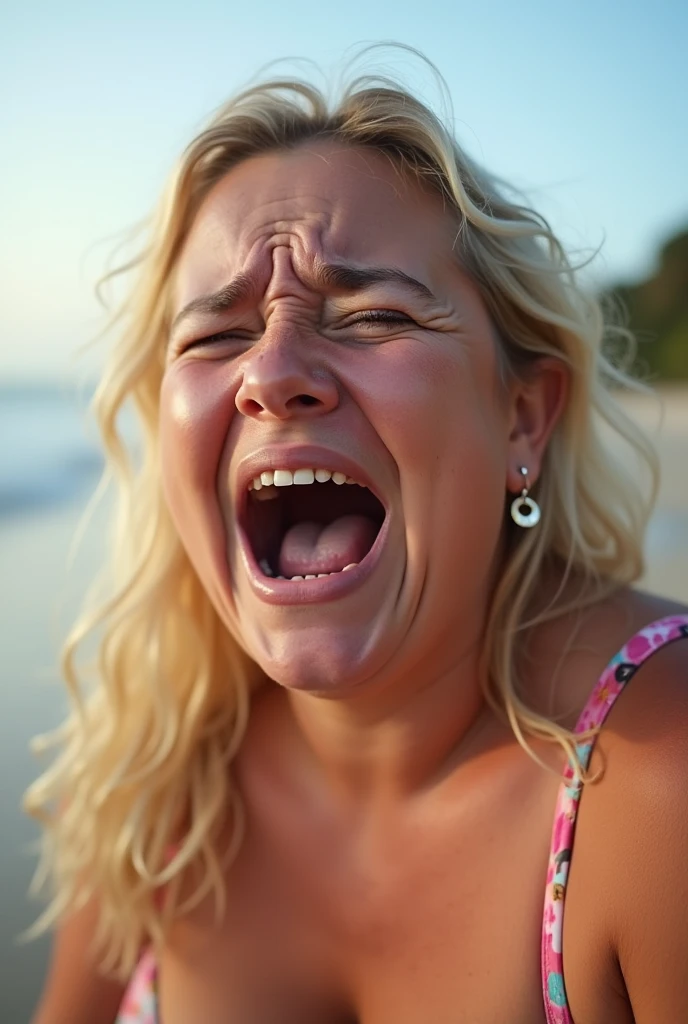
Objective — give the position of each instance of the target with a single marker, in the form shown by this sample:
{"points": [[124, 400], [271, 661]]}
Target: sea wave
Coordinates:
{"points": [[48, 447]]}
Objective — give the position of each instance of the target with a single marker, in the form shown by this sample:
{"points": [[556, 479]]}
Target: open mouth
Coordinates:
{"points": [[309, 523]]}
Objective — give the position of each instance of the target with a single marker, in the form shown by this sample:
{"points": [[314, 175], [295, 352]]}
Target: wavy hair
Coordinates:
{"points": [[159, 717]]}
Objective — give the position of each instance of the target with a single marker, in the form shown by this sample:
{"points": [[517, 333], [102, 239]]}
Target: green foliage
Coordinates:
{"points": [[657, 313]]}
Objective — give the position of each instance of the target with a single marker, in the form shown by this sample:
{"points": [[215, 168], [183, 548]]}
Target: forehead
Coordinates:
{"points": [[323, 201]]}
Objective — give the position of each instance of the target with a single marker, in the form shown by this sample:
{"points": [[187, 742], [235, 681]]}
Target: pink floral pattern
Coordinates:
{"points": [[610, 684], [140, 1003]]}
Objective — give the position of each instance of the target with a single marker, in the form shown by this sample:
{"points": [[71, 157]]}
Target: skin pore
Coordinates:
{"points": [[414, 398]]}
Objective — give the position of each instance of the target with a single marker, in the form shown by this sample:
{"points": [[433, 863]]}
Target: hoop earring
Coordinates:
{"points": [[532, 516]]}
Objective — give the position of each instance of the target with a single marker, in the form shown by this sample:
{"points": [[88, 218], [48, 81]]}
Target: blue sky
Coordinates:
{"points": [[578, 105]]}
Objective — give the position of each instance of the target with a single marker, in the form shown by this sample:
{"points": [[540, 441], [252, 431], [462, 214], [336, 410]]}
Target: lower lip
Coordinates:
{"points": [[317, 591]]}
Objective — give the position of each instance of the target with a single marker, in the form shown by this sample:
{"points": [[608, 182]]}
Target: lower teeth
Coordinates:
{"points": [[267, 571]]}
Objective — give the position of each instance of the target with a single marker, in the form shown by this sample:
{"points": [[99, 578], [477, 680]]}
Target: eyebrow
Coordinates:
{"points": [[221, 301], [348, 278], [332, 276]]}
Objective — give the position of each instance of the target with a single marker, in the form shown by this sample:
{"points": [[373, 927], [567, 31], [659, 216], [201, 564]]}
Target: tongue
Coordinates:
{"points": [[310, 548]]}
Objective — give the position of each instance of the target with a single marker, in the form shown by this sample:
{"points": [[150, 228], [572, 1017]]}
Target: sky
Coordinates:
{"points": [[581, 107]]}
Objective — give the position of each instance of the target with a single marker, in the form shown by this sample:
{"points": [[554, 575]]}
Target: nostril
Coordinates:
{"points": [[251, 407], [307, 400]]}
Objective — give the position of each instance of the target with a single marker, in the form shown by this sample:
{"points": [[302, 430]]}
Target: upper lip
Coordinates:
{"points": [[295, 457]]}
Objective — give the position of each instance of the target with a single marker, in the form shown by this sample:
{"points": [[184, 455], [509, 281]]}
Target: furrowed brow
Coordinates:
{"points": [[348, 278], [222, 301], [340, 276]]}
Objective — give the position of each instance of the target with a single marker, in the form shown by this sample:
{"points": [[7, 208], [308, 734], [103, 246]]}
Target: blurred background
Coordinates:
{"points": [[581, 106]]}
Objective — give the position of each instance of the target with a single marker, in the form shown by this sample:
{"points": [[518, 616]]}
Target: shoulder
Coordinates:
{"points": [[75, 988], [642, 750], [646, 651], [570, 653], [628, 876]]}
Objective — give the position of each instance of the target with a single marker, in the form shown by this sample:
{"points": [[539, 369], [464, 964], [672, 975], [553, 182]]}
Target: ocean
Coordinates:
{"points": [[49, 466], [48, 454]]}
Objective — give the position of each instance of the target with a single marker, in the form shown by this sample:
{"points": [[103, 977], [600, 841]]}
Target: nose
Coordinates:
{"points": [[281, 382]]}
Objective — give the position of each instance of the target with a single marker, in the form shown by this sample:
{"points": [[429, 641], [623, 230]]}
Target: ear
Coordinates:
{"points": [[536, 404]]}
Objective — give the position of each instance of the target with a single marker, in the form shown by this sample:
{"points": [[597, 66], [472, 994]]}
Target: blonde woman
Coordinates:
{"points": [[379, 731]]}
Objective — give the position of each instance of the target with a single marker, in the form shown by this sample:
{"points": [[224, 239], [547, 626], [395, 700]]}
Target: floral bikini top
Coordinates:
{"points": [[140, 1002]]}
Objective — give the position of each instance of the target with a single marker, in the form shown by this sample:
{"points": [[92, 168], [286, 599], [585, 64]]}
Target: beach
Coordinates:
{"points": [[40, 596]]}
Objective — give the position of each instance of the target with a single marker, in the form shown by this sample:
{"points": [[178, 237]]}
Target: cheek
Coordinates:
{"points": [[196, 408], [446, 429], [440, 408]]}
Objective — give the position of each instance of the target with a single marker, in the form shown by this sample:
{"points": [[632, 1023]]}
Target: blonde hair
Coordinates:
{"points": [[169, 698]]}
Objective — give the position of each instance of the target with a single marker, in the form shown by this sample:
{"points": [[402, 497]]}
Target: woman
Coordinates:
{"points": [[373, 600]]}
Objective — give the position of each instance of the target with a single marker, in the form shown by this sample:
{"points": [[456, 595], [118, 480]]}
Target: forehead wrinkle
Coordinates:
{"points": [[300, 230], [322, 276]]}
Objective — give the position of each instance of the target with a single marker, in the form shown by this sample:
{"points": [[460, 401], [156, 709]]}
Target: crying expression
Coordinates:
{"points": [[333, 426]]}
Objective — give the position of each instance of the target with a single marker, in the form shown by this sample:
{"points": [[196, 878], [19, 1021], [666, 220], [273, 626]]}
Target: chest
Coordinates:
{"points": [[436, 916]]}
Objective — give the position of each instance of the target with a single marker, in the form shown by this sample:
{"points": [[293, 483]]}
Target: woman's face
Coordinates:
{"points": [[324, 326]]}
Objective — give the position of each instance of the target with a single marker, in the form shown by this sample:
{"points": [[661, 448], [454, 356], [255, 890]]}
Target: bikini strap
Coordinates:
{"points": [[611, 683]]}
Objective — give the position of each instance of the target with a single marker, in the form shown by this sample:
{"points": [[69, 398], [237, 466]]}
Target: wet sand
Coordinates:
{"points": [[38, 600]]}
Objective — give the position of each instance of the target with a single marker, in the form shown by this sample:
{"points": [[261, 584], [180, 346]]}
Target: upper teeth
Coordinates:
{"points": [[285, 478]]}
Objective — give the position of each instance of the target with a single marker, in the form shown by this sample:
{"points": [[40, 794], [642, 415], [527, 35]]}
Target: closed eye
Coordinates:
{"points": [[382, 316], [225, 336], [373, 317], [370, 318], [373, 325], [236, 335]]}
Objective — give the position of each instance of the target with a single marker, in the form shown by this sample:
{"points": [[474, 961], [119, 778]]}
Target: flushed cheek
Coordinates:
{"points": [[196, 408], [431, 406], [444, 427]]}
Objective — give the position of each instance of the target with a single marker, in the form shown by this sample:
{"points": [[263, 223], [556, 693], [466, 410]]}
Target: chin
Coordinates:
{"points": [[321, 661]]}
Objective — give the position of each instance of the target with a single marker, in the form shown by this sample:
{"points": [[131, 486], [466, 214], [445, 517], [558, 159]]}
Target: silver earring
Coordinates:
{"points": [[528, 518]]}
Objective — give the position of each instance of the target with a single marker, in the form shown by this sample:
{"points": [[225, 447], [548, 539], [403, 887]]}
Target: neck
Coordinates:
{"points": [[393, 739]]}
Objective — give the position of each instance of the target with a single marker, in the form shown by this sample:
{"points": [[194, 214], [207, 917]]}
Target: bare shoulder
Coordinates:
{"points": [[642, 751], [629, 885], [75, 989], [650, 720], [570, 653]]}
